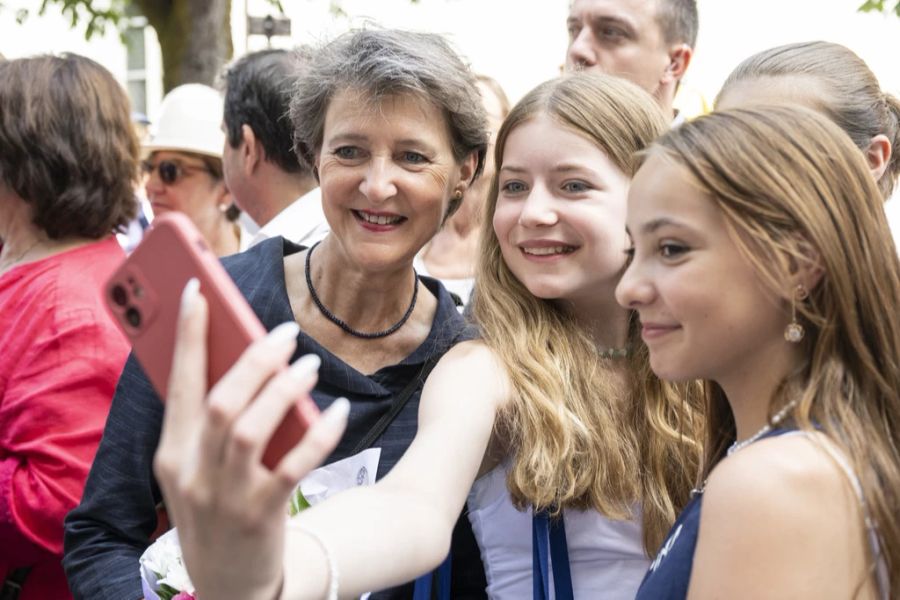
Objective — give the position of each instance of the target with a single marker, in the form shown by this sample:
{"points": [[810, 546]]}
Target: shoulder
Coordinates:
{"points": [[448, 326], [66, 307], [249, 261], [446, 305], [259, 271], [778, 511], [792, 476], [472, 354], [78, 277], [471, 370]]}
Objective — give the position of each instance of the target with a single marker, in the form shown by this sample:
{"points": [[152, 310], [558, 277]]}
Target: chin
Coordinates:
{"points": [[669, 370], [544, 290]]}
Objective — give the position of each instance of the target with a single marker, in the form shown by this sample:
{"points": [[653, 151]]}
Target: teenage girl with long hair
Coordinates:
{"points": [[762, 264]]}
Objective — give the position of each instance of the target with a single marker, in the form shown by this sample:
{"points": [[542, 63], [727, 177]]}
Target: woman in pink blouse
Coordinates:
{"points": [[68, 158]]}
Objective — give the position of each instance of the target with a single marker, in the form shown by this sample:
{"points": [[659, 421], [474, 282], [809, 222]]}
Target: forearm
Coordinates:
{"points": [[103, 567], [378, 538], [106, 535], [401, 527]]}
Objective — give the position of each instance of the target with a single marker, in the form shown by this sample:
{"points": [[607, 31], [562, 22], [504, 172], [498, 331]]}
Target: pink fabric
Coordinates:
{"points": [[61, 355]]}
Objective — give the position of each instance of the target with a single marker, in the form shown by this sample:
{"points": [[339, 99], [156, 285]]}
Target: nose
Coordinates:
{"points": [[378, 184], [581, 51], [538, 210], [635, 288]]}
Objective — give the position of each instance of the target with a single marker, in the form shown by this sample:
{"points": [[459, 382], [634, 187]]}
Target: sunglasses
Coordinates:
{"points": [[170, 171]]}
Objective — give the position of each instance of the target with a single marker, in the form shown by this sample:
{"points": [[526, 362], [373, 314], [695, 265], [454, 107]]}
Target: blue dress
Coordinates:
{"points": [[670, 572]]}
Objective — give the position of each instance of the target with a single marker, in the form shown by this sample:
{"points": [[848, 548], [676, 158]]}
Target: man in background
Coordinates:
{"points": [[649, 42], [261, 170]]}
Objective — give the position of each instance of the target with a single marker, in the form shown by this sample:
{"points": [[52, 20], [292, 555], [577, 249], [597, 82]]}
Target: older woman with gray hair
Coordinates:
{"points": [[393, 127]]}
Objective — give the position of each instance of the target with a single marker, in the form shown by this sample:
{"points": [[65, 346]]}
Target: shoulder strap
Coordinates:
{"points": [[400, 400], [12, 587], [550, 550], [424, 587]]}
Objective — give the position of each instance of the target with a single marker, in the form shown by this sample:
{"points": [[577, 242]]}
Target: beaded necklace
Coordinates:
{"points": [[776, 419], [343, 324]]}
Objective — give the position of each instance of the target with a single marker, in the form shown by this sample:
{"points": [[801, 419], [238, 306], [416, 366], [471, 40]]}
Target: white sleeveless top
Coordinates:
{"points": [[606, 557]]}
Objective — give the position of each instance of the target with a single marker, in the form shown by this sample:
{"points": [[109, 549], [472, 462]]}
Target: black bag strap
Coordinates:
{"points": [[12, 587], [400, 400]]}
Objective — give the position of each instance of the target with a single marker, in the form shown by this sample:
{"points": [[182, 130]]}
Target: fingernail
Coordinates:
{"points": [[337, 412], [284, 333], [189, 292], [305, 366]]}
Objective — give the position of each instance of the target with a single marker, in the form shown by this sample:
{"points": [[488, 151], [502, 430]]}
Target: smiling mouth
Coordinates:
{"points": [[652, 331], [377, 219], [549, 250]]}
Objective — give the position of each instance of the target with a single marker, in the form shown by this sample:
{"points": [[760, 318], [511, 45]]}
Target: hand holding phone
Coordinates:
{"points": [[144, 296], [229, 508]]}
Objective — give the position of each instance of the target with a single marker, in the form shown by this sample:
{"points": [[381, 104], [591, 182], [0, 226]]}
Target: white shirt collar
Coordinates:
{"points": [[302, 222]]}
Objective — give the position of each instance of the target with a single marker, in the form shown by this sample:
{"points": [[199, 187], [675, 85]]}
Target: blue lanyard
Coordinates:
{"points": [[422, 588], [549, 546]]}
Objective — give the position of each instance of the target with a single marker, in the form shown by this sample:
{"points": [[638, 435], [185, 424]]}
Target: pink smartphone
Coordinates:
{"points": [[144, 296]]}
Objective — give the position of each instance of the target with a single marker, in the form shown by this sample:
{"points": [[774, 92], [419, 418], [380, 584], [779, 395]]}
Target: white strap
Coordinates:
{"points": [[881, 572]]}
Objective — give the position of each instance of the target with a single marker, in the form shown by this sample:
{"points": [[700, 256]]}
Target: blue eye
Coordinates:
{"points": [[414, 158], [576, 187], [347, 152], [514, 187]]}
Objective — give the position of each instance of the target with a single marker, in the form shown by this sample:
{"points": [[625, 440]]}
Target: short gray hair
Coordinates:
{"points": [[386, 62]]}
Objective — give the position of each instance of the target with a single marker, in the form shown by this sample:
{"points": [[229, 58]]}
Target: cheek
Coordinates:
{"points": [[605, 231], [436, 177], [329, 171], [505, 217]]}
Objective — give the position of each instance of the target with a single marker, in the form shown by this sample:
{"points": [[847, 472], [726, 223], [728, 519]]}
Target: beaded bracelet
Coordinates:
{"points": [[333, 576]]}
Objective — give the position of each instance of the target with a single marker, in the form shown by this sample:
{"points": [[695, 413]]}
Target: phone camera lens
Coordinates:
{"points": [[133, 316], [119, 295]]}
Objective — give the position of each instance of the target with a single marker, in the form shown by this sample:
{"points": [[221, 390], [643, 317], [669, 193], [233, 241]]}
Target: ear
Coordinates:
{"points": [[317, 159], [805, 267], [679, 59], [467, 171], [223, 195], [251, 150], [878, 155]]}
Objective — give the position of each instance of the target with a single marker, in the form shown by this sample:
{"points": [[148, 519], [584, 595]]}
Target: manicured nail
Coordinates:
{"points": [[189, 293], [284, 333], [305, 366], [336, 413]]}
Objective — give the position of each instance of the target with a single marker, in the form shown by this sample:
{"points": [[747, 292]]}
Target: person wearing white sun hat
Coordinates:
{"points": [[183, 165]]}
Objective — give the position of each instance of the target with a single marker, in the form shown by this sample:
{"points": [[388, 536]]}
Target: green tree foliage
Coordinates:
{"points": [[881, 6], [194, 35]]}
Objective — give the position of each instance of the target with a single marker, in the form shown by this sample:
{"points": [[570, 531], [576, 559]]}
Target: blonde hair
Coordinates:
{"points": [[849, 94], [576, 438], [794, 189]]}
